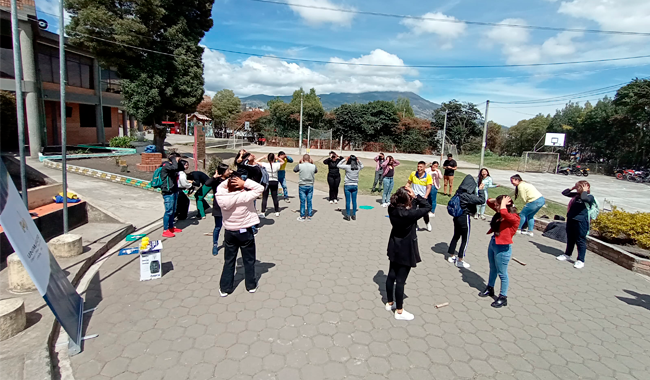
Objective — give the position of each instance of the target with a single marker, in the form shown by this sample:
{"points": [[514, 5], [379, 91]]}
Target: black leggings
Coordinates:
{"points": [[461, 230], [397, 273], [334, 180], [273, 188]]}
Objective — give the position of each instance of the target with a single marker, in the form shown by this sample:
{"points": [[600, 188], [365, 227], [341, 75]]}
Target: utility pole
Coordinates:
{"points": [[20, 105], [444, 135], [308, 135], [300, 134], [64, 134], [485, 126]]}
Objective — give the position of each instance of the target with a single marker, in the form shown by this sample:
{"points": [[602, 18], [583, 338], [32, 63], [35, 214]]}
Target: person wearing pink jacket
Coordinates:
{"points": [[235, 197]]}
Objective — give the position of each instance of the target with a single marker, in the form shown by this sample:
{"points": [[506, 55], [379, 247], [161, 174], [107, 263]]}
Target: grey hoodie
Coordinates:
{"points": [[351, 176]]}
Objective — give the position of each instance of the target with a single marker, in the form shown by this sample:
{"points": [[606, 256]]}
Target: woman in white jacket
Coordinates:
{"points": [[272, 168], [235, 197]]}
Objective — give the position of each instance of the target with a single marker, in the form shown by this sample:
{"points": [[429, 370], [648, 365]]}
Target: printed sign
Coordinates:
{"points": [[42, 267], [151, 261]]}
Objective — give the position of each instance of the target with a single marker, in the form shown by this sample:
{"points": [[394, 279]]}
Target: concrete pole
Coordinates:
{"points": [[31, 95], [485, 126], [300, 134], [20, 106], [125, 127], [444, 136], [64, 133], [308, 135], [99, 121]]}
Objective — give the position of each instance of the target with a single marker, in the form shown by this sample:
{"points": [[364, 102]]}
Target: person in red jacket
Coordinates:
{"points": [[504, 225]]}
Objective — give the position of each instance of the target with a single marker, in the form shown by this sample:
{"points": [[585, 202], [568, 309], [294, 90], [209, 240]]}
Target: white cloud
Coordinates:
{"points": [[626, 15], [440, 28], [321, 16], [267, 75]]}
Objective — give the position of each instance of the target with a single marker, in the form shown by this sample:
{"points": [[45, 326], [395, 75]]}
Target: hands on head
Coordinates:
{"points": [[505, 201]]}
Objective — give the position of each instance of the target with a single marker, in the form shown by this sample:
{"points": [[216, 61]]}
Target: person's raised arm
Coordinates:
{"points": [[342, 164], [395, 163], [569, 192], [289, 159], [376, 158], [296, 169]]}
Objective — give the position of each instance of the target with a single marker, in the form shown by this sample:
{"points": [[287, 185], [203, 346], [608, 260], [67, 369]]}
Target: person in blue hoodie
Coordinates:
{"points": [[469, 199]]}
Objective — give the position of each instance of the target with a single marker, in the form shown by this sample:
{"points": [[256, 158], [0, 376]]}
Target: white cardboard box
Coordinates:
{"points": [[151, 261]]}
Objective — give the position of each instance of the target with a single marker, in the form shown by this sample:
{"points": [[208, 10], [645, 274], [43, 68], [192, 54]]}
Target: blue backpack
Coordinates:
{"points": [[453, 207]]}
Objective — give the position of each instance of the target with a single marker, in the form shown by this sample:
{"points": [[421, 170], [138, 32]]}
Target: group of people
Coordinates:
{"points": [[236, 192]]}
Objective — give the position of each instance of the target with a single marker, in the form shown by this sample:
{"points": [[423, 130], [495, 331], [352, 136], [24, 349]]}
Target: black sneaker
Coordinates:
{"points": [[347, 217], [354, 217]]}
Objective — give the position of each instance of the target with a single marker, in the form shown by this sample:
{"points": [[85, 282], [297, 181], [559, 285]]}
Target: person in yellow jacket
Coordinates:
{"points": [[534, 202]]}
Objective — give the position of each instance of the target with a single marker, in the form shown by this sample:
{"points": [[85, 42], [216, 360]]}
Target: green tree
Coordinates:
{"points": [[312, 108], [404, 108], [634, 101], [282, 119], [380, 119], [495, 137], [225, 107], [523, 136], [349, 122], [152, 84], [463, 121]]}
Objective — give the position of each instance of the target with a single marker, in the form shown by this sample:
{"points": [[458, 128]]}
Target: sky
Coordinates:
{"points": [[283, 33]]}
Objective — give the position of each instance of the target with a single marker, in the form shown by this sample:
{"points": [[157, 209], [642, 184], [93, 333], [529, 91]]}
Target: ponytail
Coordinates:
{"points": [[518, 178]]}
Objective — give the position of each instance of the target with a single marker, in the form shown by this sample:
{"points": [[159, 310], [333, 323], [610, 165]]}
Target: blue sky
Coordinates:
{"points": [[293, 32]]}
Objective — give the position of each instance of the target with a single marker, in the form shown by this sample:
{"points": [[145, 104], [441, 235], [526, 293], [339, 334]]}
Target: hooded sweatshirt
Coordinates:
{"points": [[237, 207], [467, 194]]}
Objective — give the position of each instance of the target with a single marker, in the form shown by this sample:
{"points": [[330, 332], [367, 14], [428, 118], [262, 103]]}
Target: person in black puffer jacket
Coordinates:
{"points": [[462, 225]]}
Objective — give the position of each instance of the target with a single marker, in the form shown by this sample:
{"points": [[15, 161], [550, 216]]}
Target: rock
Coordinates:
{"points": [[12, 317], [19, 280], [68, 245]]}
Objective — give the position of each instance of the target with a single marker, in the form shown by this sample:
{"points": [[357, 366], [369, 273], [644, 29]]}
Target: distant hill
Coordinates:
{"points": [[421, 107]]}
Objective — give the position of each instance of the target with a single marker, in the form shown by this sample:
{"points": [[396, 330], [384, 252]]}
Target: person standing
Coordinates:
{"points": [[484, 177], [504, 226], [333, 175], [450, 167], [284, 159], [578, 221], [306, 175], [403, 252], [534, 202], [388, 175], [169, 191], [379, 160], [222, 174], [273, 168], [183, 203], [352, 167], [199, 180], [435, 186], [235, 197], [421, 182], [462, 224]]}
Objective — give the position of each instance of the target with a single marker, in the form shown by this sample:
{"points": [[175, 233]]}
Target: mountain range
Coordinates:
{"points": [[421, 107]]}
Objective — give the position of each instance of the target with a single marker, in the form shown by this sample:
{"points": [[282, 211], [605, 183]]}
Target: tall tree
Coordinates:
{"points": [[495, 137], [463, 121], [312, 108], [205, 107], [404, 108], [523, 136], [225, 107], [380, 119], [152, 83], [634, 100]]}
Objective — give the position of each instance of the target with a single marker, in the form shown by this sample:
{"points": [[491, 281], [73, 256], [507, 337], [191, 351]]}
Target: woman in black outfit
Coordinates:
{"points": [[578, 221], [333, 175], [222, 174], [404, 211]]}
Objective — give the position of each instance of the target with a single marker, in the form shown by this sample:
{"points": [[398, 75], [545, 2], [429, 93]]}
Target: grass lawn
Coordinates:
{"points": [[493, 162], [402, 172]]}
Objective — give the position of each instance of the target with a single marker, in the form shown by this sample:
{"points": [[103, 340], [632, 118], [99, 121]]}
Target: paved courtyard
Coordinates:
{"points": [[319, 312]]}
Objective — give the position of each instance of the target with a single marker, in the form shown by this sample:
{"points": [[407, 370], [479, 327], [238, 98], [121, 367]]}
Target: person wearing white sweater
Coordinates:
{"points": [[272, 168]]}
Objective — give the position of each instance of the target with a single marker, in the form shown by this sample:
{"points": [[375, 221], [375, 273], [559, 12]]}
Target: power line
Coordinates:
{"points": [[455, 21], [546, 105]]}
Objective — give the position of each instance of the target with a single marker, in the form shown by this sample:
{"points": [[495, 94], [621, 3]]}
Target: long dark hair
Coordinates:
{"points": [[480, 177], [401, 198], [271, 158], [353, 162], [518, 178], [495, 223]]}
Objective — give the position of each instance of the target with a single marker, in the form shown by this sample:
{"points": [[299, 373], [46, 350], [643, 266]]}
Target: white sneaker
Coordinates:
{"points": [[390, 307], [475, 216], [519, 232], [262, 215], [331, 202], [432, 214], [277, 214], [529, 233], [562, 258], [300, 219], [405, 316], [579, 265], [429, 228], [462, 264], [222, 294], [384, 205], [336, 201], [452, 259], [256, 287]]}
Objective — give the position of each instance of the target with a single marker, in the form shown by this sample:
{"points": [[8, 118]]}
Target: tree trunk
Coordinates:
{"points": [[159, 135]]}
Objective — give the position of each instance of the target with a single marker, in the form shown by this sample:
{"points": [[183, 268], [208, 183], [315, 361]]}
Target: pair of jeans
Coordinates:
{"points": [[499, 258], [527, 213], [218, 223], [389, 182], [199, 195], [576, 234], [433, 199], [378, 176], [334, 180], [481, 208], [233, 241], [351, 196], [306, 193], [170, 210], [397, 274], [283, 182], [462, 229], [273, 189]]}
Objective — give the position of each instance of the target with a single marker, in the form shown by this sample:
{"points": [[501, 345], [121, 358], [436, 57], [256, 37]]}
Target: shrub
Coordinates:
{"points": [[121, 141], [619, 224], [213, 163]]}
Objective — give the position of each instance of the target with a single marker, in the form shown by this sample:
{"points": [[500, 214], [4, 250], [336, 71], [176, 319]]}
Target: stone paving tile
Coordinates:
{"points": [[319, 313]]}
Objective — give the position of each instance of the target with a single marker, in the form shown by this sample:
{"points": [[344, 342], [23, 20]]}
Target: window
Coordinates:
{"points": [[6, 57], [110, 81], [79, 68], [108, 121], [87, 116]]}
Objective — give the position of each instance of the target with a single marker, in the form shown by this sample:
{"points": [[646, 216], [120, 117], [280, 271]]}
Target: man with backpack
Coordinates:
{"points": [[420, 182], [461, 206], [165, 178]]}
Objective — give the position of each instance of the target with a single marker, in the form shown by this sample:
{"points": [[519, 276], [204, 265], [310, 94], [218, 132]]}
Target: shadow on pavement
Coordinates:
{"points": [[380, 280], [472, 279], [641, 300], [441, 248], [260, 269], [167, 267], [548, 249]]}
